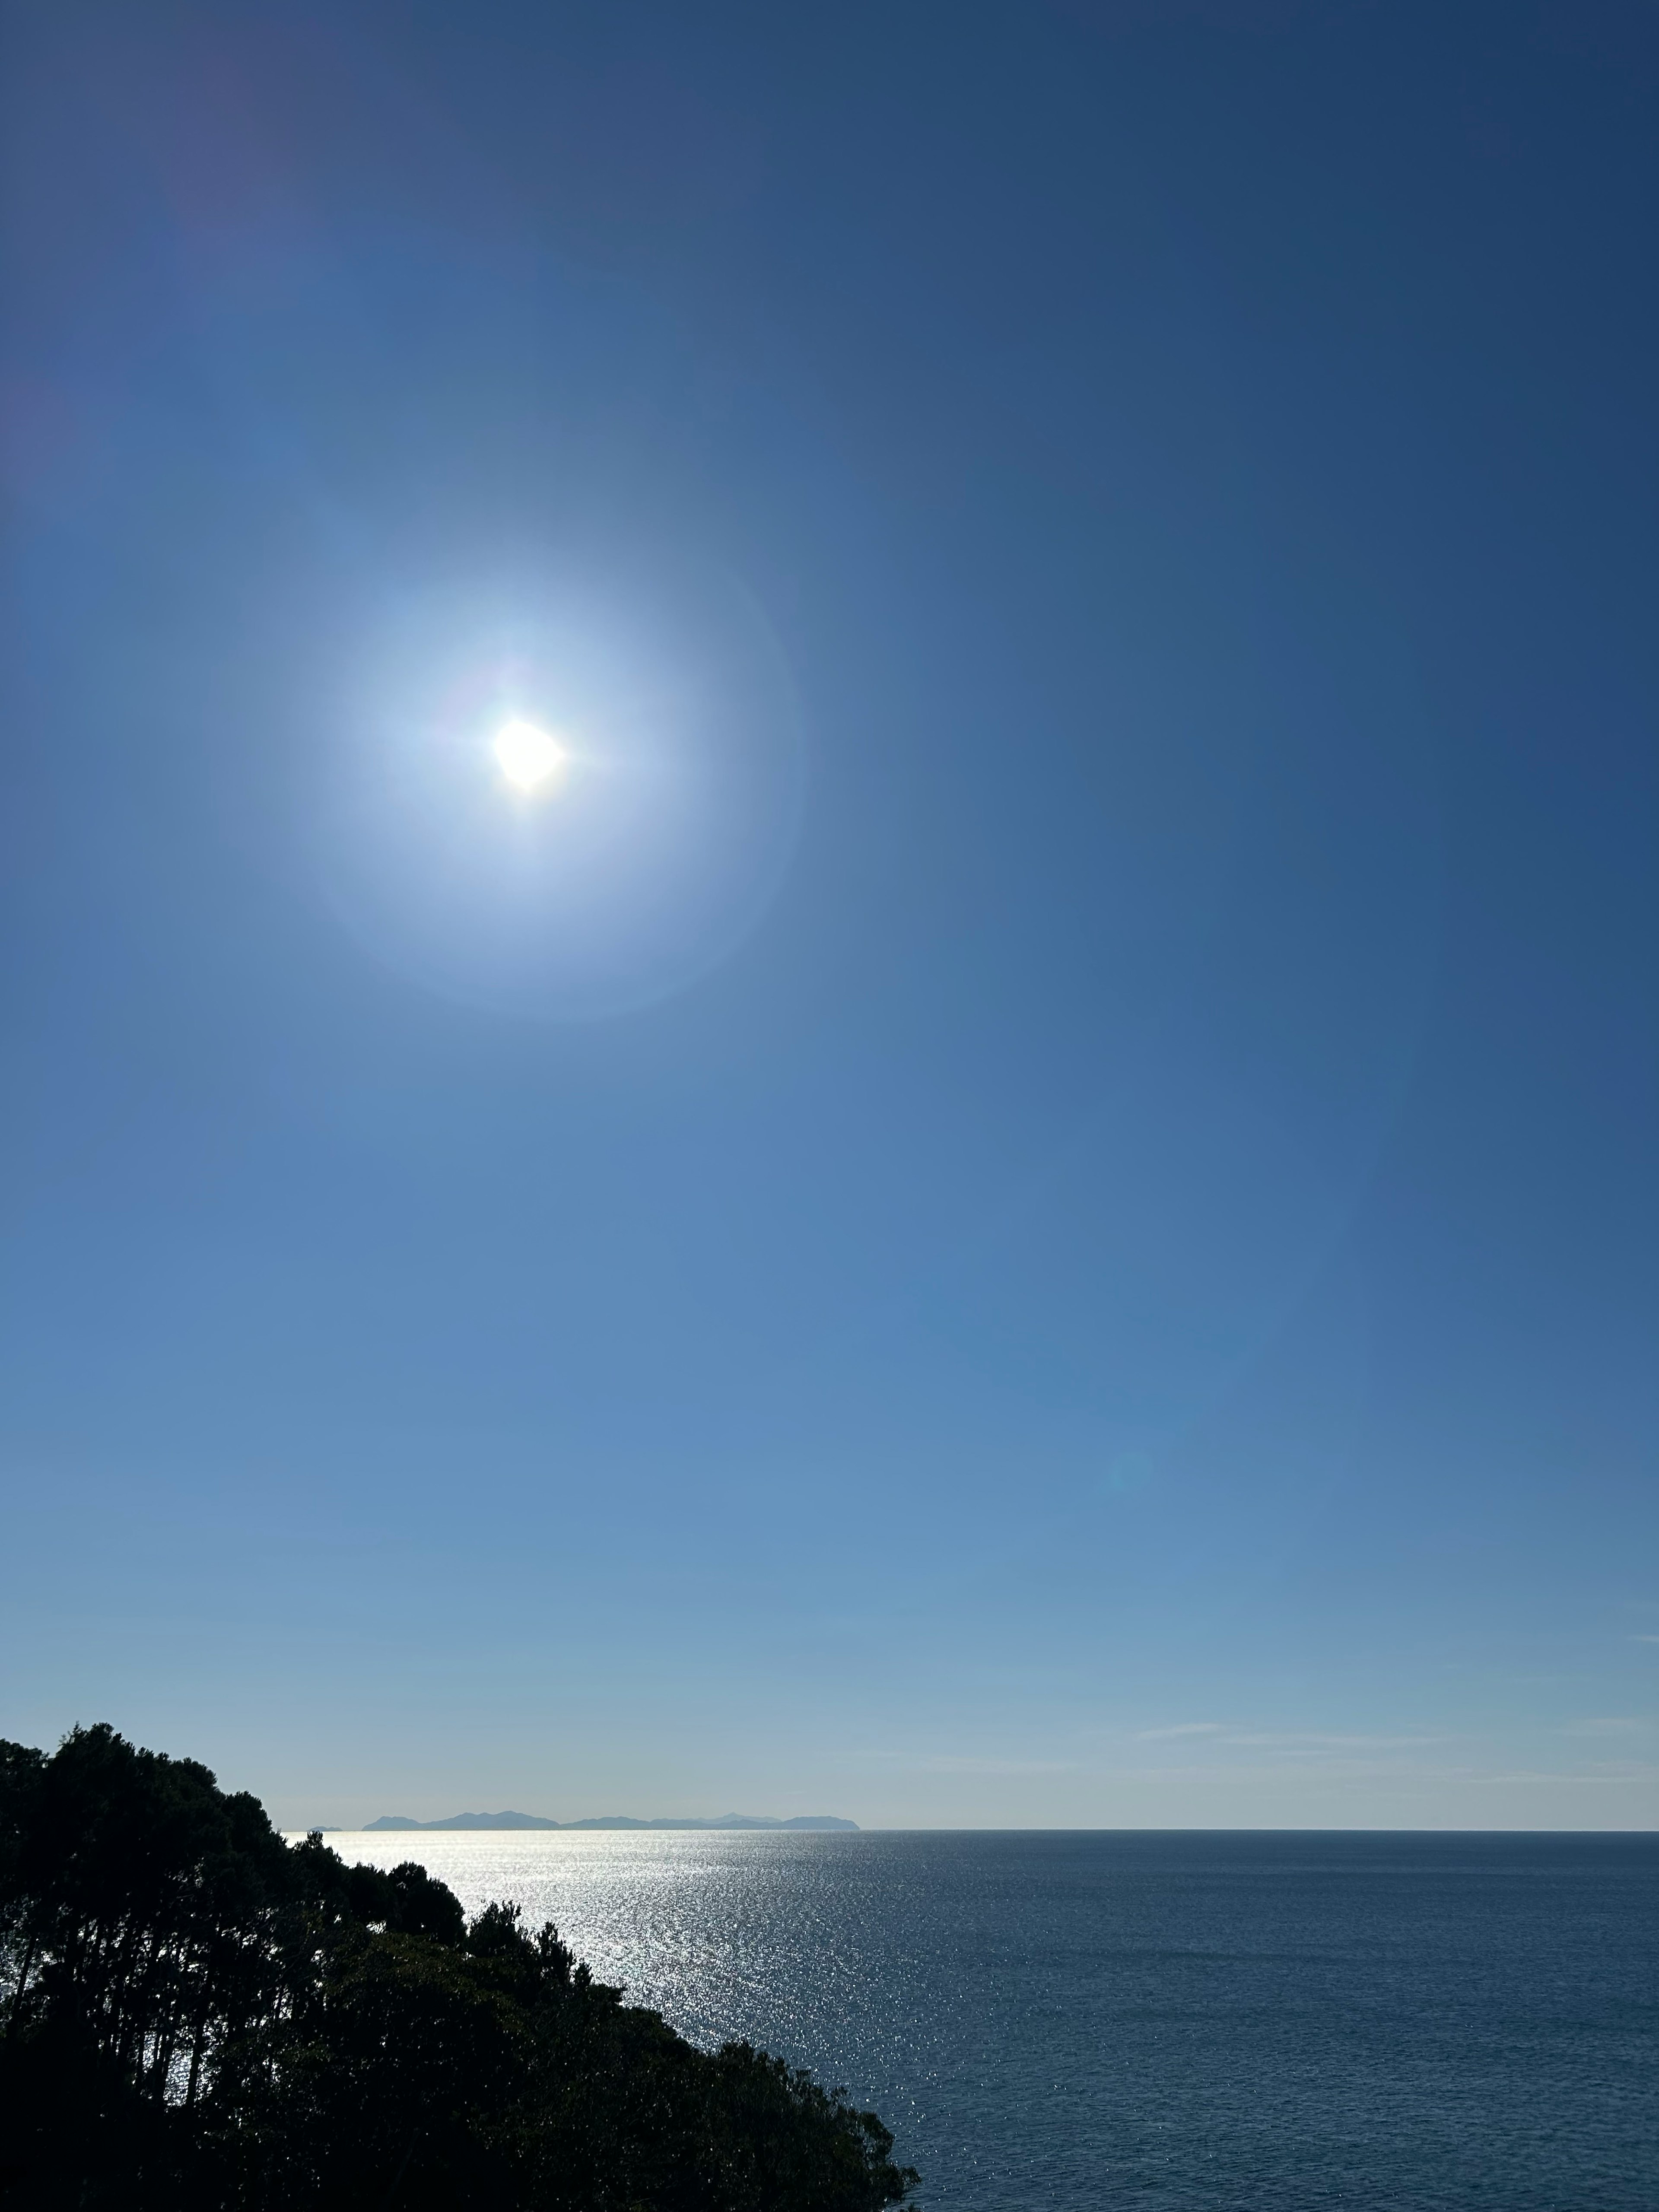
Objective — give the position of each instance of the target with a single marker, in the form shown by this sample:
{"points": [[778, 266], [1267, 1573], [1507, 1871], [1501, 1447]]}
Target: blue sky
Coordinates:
{"points": [[1058, 1226]]}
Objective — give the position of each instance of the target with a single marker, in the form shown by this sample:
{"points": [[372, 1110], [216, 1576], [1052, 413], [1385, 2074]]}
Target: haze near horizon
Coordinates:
{"points": [[828, 867]]}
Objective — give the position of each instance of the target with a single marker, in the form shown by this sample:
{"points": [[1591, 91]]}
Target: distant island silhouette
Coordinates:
{"points": [[819, 1821]]}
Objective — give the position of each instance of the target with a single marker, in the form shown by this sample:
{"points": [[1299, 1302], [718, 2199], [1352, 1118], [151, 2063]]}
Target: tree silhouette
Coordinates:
{"points": [[197, 2014]]}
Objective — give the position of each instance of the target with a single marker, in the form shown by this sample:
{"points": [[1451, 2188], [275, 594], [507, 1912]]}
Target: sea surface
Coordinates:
{"points": [[1174, 2022]]}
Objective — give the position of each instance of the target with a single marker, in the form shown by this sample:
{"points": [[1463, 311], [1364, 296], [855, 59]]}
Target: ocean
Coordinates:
{"points": [[1176, 2022]]}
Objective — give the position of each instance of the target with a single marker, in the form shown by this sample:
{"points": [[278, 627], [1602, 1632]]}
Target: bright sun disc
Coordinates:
{"points": [[528, 756]]}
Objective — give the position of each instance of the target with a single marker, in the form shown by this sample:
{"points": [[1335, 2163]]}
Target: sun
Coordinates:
{"points": [[529, 758]]}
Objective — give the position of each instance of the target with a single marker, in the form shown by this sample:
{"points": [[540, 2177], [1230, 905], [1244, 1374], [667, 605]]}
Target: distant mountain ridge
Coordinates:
{"points": [[817, 1821]]}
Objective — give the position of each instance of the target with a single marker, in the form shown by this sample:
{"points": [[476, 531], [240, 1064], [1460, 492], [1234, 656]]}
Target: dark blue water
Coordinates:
{"points": [[1165, 2021]]}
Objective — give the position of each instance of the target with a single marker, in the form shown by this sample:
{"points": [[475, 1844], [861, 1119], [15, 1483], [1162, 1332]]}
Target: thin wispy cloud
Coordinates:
{"points": [[1594, 1774], [1293, 1739], [1312, 1740], [948, 1762]]}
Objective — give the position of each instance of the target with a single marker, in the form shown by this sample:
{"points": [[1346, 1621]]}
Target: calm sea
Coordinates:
{"points": [[1166, 2021]]}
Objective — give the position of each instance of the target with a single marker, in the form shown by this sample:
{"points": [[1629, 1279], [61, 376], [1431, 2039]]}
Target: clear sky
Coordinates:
{"points": [[1025, 1194]]}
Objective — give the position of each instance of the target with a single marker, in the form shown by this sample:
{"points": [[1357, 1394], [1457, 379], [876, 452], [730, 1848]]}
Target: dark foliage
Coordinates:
{"points": [[199, 2016]]}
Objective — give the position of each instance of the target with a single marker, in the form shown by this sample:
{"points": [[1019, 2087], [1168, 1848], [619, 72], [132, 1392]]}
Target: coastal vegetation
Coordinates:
{"points": [[199, 2015]]}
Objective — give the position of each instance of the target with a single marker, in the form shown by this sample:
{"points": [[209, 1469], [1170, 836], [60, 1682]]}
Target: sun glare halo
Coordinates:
{"points": [[528, 756]]}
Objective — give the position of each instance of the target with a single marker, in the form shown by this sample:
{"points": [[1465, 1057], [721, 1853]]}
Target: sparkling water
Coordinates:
{"points": [[1168, 2021]]}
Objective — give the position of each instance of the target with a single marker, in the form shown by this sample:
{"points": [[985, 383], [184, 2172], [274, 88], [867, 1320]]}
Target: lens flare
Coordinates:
{"points": [[529, 758], [648, 701]]}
